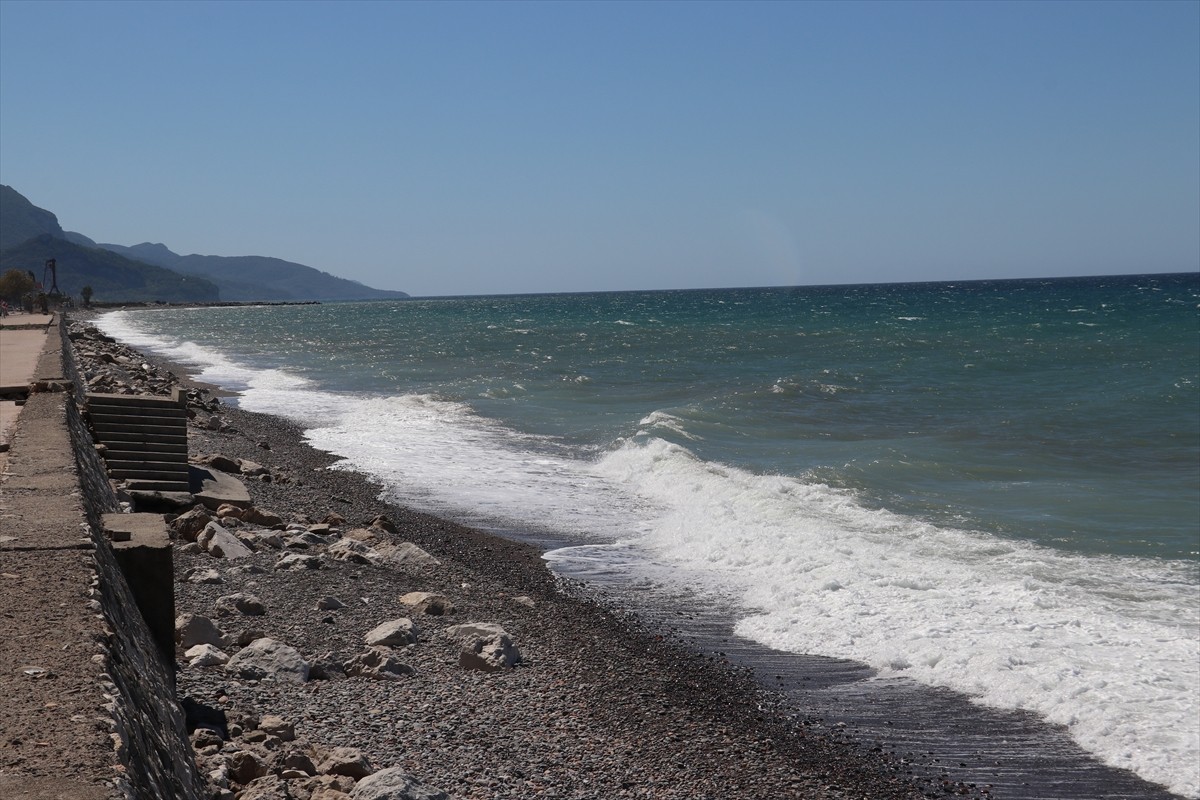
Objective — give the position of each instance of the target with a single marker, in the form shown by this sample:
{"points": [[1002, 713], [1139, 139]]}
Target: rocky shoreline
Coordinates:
{"points": [[326, 636]]}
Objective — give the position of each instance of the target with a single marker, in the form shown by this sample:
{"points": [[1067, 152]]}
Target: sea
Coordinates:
{"points": [[989, 487]]}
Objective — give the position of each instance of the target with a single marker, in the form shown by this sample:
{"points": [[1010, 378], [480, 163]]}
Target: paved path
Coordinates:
{"points": [[22, 338]]}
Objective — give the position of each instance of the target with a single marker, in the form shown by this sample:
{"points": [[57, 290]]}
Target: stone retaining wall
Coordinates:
{"points": [[154, 750]]}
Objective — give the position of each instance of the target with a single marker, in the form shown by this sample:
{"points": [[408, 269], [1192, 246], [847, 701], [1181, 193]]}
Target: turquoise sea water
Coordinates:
{"points": [[989, 486]]}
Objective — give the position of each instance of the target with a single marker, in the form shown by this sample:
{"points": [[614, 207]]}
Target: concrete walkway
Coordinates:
{"points": [[22, 339]]}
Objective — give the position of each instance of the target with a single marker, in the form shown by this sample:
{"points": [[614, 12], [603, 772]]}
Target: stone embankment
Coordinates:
{"points": [[89, 712]]}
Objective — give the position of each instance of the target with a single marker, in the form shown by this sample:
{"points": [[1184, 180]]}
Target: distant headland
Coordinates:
{"points": [[31, 236]]}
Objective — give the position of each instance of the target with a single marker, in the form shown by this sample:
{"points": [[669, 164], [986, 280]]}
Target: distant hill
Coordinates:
{"points": [[246, 278], [236, 278], [21, 220], [113, 277]]}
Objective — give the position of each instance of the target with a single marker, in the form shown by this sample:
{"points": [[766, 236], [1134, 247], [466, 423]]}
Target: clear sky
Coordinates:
{"points": [[479, 148]]}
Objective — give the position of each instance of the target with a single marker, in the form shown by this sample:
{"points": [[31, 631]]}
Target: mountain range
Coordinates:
{"points": [[147, 272]]}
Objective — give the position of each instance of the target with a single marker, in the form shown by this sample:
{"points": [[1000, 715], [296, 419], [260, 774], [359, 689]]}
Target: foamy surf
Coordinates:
{"points": [[1105, 646]]}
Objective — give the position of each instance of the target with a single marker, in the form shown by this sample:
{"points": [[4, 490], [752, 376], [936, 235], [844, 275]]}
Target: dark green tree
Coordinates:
{"points": [[14, 284], [86, 294]]}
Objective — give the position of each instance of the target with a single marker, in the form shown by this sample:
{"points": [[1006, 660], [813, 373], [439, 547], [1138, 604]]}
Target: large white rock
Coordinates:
{"points": [[395, 784], [485, 646], [193, 629], [205, 655], [267, 658], [435, 605], [394, 633], [220, 543], [405, 553]]}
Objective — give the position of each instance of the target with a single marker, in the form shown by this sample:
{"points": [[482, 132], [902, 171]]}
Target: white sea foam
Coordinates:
{"points": [[1105, 646]]}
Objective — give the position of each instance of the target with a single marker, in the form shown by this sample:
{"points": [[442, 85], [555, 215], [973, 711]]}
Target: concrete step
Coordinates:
{"points": [[115, 455], [102, 398], [139, 485], [104, 427], [151, 446], [126, 418], [145, 475], [169, 466]]}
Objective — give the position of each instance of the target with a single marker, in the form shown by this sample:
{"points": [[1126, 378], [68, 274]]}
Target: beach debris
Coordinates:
{"points": [[268, 658], [434, 605], [524, 600], [194, 629], [396, 632], [394, 783], [241, 603]]}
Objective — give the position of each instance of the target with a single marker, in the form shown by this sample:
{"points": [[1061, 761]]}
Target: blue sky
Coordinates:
{"points": [[478, 148]]}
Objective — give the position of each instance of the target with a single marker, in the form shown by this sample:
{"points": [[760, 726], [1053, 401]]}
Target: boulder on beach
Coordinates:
{"points": [[352, 552], [297, 562], [278, 727], [267, 658], [383, 523], [485, 646], [377, 663], [194, 629], [435, 605], [214, 488], [188, 525], [205, 655], [329, 603], [218, 542], [406, 554], [348, 761], [218, 461], [395, 784], [394, 633], [241, 603], [201, 575], [259, 516]]}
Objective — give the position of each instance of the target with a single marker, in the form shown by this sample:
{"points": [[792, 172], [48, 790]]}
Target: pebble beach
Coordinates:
{"points": [[573, 698]]}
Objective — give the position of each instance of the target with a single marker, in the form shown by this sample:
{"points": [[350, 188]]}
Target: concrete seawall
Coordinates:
{"points": [[91, 711]]}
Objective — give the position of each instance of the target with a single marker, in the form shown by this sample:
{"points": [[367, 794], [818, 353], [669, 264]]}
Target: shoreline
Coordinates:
{"points": [[600, 706], [678, 646]]}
